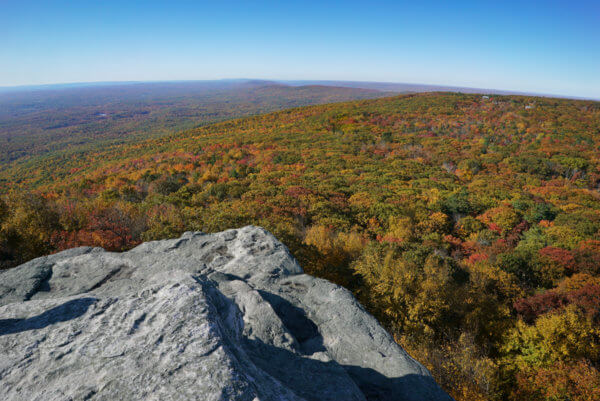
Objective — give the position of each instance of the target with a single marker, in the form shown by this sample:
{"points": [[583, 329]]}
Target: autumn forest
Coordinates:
{"points": [[469, 225]]}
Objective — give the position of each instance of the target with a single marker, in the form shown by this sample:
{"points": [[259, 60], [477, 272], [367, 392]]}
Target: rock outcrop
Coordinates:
{"points": [[227, 316]]}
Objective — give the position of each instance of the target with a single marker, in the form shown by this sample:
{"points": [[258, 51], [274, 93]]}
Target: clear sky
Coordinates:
{"points": [[534, 46]]}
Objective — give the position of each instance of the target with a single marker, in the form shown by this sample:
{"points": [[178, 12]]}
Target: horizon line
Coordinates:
{"points": [[332, 82]]}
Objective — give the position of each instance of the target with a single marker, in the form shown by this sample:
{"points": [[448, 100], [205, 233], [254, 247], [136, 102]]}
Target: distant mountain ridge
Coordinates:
{"points": [[396, 87], [399, 87]]}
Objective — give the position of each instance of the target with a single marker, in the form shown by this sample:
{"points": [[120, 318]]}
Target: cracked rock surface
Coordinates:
{"points": [[226, 316]]}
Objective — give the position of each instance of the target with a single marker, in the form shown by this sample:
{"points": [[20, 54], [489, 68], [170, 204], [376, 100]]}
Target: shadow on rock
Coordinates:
{"points": [[304, 330], [62, 313], [316, 380], [377, 387]]}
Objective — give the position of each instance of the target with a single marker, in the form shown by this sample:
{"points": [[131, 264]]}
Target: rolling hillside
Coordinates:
{"points": [[65, 119], [469, 225]]}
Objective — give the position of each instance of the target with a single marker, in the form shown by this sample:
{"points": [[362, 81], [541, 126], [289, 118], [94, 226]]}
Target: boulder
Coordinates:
{"points": [[226, 316]]}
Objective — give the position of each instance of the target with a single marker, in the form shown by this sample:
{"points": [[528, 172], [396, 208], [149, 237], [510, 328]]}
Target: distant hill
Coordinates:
{"points": [[40, 120], [417, 88]]}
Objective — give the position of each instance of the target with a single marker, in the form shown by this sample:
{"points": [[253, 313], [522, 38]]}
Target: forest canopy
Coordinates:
{"points": [[468, 225]]}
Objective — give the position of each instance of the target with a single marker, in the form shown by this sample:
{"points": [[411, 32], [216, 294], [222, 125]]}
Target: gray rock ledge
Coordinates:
{"points": [[226, 316]]}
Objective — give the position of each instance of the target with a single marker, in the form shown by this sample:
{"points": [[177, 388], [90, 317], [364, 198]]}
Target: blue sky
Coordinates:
{"points": [[535, 46]]}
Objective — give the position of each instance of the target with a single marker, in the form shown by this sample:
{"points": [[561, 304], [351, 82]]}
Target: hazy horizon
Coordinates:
{"points": [[391, 87]]}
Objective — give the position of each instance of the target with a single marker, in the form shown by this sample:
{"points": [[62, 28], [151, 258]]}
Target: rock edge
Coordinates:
{"points": [[225, 316]]}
